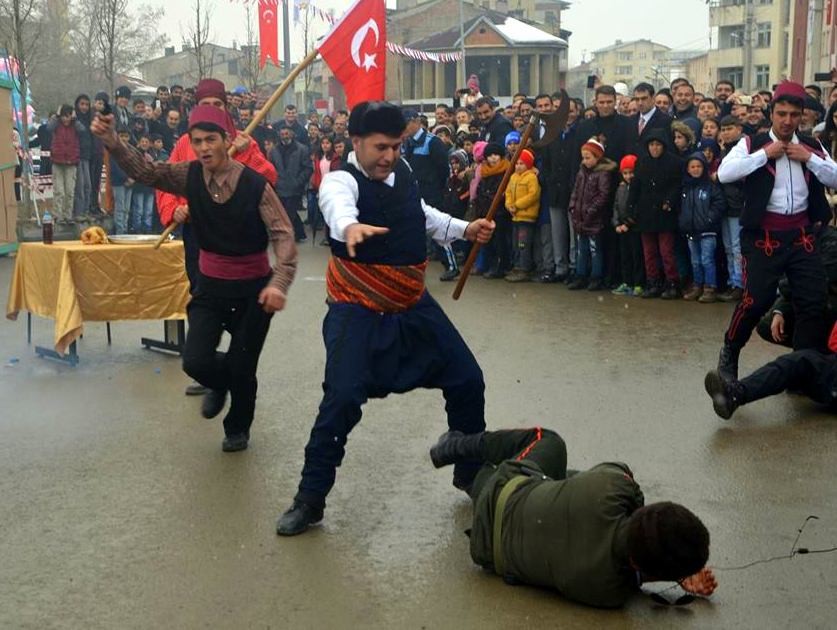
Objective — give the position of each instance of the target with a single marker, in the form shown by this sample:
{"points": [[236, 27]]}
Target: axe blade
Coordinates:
{"points": [[554, 122]]}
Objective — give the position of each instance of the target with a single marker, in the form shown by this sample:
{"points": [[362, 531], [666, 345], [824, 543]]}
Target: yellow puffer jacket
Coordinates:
{"points": [[524, 193]]}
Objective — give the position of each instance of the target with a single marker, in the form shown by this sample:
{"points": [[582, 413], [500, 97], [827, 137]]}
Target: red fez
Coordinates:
{"points": [[209, 115], [210, 88], [791, 89]]}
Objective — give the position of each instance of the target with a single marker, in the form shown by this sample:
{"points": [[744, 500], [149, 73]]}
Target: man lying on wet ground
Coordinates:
{"points": [[587, 534], [808, 372]]}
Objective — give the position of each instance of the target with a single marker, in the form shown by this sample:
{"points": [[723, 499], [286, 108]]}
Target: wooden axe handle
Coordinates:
{"points": [[166, 233]]}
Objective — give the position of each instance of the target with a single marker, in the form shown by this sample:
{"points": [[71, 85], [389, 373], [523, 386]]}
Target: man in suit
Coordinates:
{"points": [[648, 117]]}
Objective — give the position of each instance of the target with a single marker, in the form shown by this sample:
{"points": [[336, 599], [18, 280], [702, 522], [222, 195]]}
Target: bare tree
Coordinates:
{"points": [[20, 29], [197, 36], [251, 58], [123, 37]]}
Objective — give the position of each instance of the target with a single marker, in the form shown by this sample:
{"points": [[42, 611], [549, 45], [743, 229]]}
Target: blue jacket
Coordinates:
{"points": [[702, 204]]}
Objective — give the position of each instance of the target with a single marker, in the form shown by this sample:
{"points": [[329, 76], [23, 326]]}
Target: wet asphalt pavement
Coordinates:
{"points": [[119, 509]]}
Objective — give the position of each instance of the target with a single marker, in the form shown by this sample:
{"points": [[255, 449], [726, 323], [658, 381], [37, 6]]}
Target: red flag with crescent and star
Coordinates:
{"points": [[355, 50], [268, 32]]}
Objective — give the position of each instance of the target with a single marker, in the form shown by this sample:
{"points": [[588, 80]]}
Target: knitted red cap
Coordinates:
{"points": [[594, 146], [628, 163], [527, 158]]}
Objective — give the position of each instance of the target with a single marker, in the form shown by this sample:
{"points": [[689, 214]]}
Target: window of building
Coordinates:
{"points": [[733, 74], [643, 55], [763, 77], [763, 35], [660, 54], [232, 66], [624, 70], [731, 36], [626, 56]]}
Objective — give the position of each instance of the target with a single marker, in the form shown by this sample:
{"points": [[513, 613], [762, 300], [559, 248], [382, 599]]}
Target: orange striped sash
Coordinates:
{"points": [[381, 288]]}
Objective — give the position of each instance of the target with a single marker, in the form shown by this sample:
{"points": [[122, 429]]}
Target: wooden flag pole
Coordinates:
{"points": [[257, 119]]}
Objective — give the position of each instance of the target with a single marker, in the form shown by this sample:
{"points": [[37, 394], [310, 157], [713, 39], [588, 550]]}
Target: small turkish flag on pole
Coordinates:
{"points": [[268, 32], [355, 50]]}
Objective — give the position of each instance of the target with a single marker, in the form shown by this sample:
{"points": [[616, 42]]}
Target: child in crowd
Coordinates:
{"points": [[491, 175], [325, 160], [731, 132], [712, 152], [523, 201], [157, 149], [512, 142], [271, 139], [142, 198], [589, 211], [630, 240], [121, 185], [710, 129], [700, 216], [455, 203], [340, 149], [468, 146], [683, 138], [653, 200]]}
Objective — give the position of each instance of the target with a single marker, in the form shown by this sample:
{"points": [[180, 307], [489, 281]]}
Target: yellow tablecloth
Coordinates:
{"points": [[72, 283]]}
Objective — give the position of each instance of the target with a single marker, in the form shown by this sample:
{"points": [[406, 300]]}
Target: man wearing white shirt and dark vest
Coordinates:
{"points": [[383, 332], [784, 178]]}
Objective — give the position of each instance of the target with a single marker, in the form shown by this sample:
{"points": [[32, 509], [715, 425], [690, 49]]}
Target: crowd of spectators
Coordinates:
{"points": [[625, 199]]}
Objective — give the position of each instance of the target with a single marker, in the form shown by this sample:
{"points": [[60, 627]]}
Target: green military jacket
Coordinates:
{"points": [[569, 534]]}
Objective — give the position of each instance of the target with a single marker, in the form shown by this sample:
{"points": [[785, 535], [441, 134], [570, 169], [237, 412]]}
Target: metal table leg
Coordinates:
{"points": [[174, 336], [71, 358]]}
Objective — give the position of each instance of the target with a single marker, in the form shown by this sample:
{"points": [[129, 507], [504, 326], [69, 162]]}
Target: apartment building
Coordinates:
{"points": [[750, 42]]}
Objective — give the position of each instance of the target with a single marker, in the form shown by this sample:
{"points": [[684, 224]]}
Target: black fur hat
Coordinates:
{"points": [[376, 117]]}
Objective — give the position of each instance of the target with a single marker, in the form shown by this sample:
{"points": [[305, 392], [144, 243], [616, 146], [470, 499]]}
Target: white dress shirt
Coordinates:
{"points": [[647, 116], [338, 202], [790, 191]]}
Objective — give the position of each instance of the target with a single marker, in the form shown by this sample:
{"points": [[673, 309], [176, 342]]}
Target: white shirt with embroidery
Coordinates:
{"points": [[338, 198]]}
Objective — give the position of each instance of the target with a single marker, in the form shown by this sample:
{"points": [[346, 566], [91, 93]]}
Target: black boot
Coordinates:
{"points": [[726, 396], [654, 290], [728, 363], [298, 518], [671, 292], [213, 402], [454, 447]]}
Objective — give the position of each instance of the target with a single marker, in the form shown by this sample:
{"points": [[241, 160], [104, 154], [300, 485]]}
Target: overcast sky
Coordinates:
{"points": [[680, 24]]}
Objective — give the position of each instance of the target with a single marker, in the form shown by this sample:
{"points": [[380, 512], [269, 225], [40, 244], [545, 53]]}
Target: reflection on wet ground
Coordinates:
{"points": [[119, 509]]}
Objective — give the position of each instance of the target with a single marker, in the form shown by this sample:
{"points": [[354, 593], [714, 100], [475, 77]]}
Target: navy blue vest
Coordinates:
{"points": [[395, 207], [758, 186], [233, 228]]}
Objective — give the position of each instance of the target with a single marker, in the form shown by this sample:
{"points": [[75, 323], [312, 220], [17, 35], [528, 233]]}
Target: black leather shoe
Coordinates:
{"points": [[298, 518], [671, 292], [726, 396], [213, 403], [578, 284], [196, 389], [728, 363], [235, 442]]}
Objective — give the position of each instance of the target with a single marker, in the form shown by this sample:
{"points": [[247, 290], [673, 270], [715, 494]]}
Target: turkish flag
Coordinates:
{"points": [[268, 32], [355, 50]]}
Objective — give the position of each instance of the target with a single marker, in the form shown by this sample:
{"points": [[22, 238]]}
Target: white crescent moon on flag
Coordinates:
{"points": [[360, 35], [268, 15]]}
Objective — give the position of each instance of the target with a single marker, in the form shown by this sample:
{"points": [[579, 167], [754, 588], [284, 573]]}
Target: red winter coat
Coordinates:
{"points": [[65, 144], [591, 197]]}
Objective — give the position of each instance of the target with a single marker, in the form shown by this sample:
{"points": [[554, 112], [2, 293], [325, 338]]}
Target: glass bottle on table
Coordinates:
{"points": [[47, 226]]}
